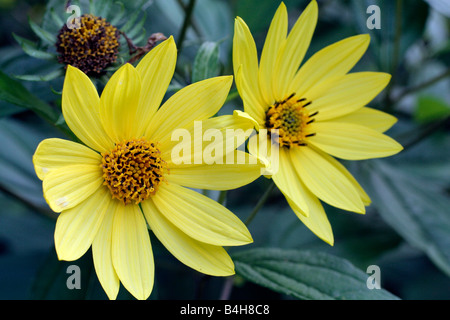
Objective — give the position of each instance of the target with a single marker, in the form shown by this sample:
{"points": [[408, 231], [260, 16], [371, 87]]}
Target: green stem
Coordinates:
{"points": [[228, 284], [427, 131], [260, 203], [424, 85], [395, 56], [187, 19], [232, 95], [222, 197]]}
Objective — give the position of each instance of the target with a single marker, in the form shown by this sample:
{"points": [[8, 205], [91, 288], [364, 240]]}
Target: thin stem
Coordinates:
{"points": [[187, 19], [228, 284], [395, 55], [398, 36], [260, 203], [227, 288], [222, 197], [430, 129], [232, 95], [424, 85]]}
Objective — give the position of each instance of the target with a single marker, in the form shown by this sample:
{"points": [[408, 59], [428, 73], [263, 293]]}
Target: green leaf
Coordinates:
{"points": [[31, 49], [206, 63], [44, 35], [17, 177], [14, 92], [416, 208], [306, 274], [430, 108], [44, 77]]}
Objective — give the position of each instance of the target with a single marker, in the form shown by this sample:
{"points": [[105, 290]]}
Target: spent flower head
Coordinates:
{"points": [[96, 38], [91, 47]]}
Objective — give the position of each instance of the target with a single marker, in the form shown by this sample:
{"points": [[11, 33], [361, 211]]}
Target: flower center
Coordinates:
{"points": [[133, 170], [290, 118], [90, 46]]}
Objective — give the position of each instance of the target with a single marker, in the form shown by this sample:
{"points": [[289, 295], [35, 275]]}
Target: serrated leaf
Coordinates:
{"points": [[306, 274], [412, 206], [206, 63]]}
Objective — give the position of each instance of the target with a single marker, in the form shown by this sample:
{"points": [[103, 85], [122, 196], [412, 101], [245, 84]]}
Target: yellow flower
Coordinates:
{"points": [[319, 110], [122, 177]]}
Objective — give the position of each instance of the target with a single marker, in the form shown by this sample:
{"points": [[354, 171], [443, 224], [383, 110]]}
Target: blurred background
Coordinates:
{"points": [[406, 231]]}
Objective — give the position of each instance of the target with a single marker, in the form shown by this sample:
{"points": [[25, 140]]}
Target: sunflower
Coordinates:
{"points": [[318, 111], [122, 176]]}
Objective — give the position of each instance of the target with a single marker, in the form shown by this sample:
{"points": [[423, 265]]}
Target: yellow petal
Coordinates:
{"points": [[351, 141], [326, 181], [372, 118], [266, 150], [198, 101], [317, 221], [56, 153], [241, 170], [203, 257], [66, 187], [345, 95], [77, 227], [245, 59], [156, 70], [289, 183], [222, 133], [200, 217], [275, 38], [119, 102], [243, 114], [293, 50], [80, 107], [253, 106], [335, 60], [101, 253], [132, 254], [339, 166]]}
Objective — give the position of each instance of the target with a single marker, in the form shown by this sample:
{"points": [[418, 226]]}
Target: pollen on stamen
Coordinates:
{"points": [[133, 170], [290, 118]]}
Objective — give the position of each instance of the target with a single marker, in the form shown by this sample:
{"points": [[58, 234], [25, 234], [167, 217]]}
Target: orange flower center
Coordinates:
{"points": [[290, 117], [133, 170]]}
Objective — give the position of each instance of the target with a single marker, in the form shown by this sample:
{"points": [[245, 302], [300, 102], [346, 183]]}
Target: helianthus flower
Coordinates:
{"points": [[319, 111], [123, 177]]}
